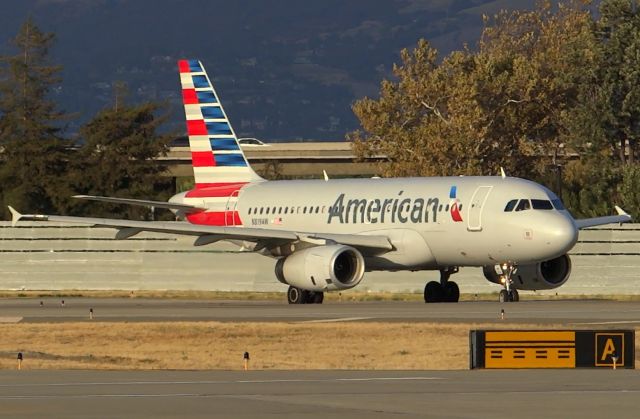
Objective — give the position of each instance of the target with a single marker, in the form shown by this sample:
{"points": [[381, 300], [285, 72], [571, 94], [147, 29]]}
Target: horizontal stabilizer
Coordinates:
{"points": [[142, 202]]}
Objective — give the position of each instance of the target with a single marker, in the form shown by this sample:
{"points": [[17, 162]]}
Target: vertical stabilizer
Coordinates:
{"points": [[216, 155]]}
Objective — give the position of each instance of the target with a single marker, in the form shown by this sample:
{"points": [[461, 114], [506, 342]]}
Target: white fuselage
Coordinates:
{"points": [[417, 214]]}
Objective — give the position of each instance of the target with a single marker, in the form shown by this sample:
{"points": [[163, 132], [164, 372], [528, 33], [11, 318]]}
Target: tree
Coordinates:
{"points": [[618, 77], [34, 161], [119, 158], [506, 105]]}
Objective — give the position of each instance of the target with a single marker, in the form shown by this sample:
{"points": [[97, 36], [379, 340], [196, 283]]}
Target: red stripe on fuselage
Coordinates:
{"points": [[183, 65], [214, 190], [189, 97], [202, 159], [210, 218], [196, 127]]}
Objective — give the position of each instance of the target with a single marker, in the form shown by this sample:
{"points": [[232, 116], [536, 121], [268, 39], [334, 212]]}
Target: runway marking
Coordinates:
{"points": [[138, 383], [10, 319], [343, 319], [610, 322]]}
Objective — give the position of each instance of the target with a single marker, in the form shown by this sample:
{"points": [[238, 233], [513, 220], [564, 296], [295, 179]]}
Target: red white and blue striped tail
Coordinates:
{"points": [[218, 160]]}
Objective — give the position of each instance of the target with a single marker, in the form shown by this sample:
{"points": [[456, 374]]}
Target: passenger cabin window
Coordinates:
{"points": [[541, 204], [510, 205], [523, 205]]}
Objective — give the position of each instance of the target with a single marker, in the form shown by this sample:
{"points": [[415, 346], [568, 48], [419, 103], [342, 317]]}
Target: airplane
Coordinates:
{"points": [[326, 233]]}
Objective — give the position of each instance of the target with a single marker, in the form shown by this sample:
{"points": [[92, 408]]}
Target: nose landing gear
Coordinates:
{"points": [[444, 291], [508, 294]]}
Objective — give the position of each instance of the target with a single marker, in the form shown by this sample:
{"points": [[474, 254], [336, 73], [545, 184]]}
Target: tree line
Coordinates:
{"points": [[551, 94], [40, 168]]}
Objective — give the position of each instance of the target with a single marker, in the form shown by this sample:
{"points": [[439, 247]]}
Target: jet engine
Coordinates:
{"points": [[538, 276], [322, 268]]}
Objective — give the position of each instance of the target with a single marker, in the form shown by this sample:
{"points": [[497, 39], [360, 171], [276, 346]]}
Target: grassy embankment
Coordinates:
{"points": [[214, 345]]}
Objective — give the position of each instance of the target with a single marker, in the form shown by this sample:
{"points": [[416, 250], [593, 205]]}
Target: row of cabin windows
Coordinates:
{"points": [[286, 210], [536, 204], [318, 209]]}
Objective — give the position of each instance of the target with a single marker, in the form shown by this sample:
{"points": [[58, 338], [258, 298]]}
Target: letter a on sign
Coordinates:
{"points": [[608, 345], [609, 349]]}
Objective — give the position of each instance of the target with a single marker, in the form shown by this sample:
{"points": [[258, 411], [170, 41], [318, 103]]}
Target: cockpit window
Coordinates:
{"points": [[557, 204], [523, 205], [510, 205], [541, 204]]}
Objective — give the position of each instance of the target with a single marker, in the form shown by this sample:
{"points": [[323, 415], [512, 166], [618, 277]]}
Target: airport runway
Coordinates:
{"points": [[321, 394], [587, 313]]}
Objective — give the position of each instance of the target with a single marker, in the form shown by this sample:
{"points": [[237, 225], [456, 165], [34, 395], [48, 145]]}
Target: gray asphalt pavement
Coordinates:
{"points": [[321, 394], [571, 312]]}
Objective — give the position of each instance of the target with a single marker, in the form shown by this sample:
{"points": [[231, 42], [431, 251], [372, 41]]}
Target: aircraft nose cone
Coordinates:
{"points": [[561, 234]]}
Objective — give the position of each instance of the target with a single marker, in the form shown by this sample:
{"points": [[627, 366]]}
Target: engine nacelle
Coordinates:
{"points": [[322, 268], [538, 276]]}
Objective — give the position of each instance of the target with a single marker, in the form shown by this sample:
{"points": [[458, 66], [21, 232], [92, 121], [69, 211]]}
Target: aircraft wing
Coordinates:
{"points": [[264, 238], [142, 202], [622, 217]]}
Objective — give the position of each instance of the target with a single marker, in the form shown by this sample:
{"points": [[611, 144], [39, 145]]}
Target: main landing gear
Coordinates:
{"points": [[444, 291], [508, 294], [300, 296]]}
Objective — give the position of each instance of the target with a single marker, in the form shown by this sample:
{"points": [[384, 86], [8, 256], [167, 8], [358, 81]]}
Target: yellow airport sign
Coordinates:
{"points": [[551, 348]]}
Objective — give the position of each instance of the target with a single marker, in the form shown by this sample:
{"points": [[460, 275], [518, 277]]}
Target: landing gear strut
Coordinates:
{"points": [[508, 294], [444, 291], [299, 296]]}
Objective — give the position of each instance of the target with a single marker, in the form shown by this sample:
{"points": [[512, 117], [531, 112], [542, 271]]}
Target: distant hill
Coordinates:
{"points": [[284, 69]]}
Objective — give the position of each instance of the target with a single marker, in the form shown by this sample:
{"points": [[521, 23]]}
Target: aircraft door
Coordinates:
{"points": [[474, 216], [230, 211]]}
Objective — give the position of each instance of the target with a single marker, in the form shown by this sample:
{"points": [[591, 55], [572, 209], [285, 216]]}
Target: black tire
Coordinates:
{"points": [[296, 295], [316, 297], [503, 297], [451, 292], [433, 292], [515, 297]]}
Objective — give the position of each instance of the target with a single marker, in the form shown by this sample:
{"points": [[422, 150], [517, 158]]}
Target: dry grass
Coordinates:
{"points": [[214, 345]]}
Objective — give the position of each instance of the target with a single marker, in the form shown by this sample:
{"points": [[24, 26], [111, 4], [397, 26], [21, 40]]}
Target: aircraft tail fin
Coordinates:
{"points": [[217, 158]]}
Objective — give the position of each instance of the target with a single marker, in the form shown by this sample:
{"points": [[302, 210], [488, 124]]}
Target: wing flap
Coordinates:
{"points": [[356, 240]]}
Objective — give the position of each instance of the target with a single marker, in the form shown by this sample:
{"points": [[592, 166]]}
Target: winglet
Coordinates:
{"points": [[15, 216], [326, 176], [502, 173], [619, 210]]}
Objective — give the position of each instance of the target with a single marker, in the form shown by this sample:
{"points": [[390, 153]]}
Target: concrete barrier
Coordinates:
{"points": [[50, 256]]}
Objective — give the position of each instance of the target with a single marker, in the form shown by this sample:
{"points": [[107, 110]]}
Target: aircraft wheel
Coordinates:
{"points": [[451, 292], [433, 292], [296, 295], [315, 297], [504, 296], [515, 297]]}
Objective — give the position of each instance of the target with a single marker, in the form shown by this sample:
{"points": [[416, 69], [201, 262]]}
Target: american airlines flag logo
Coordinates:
{"points": [[454, 205]]}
